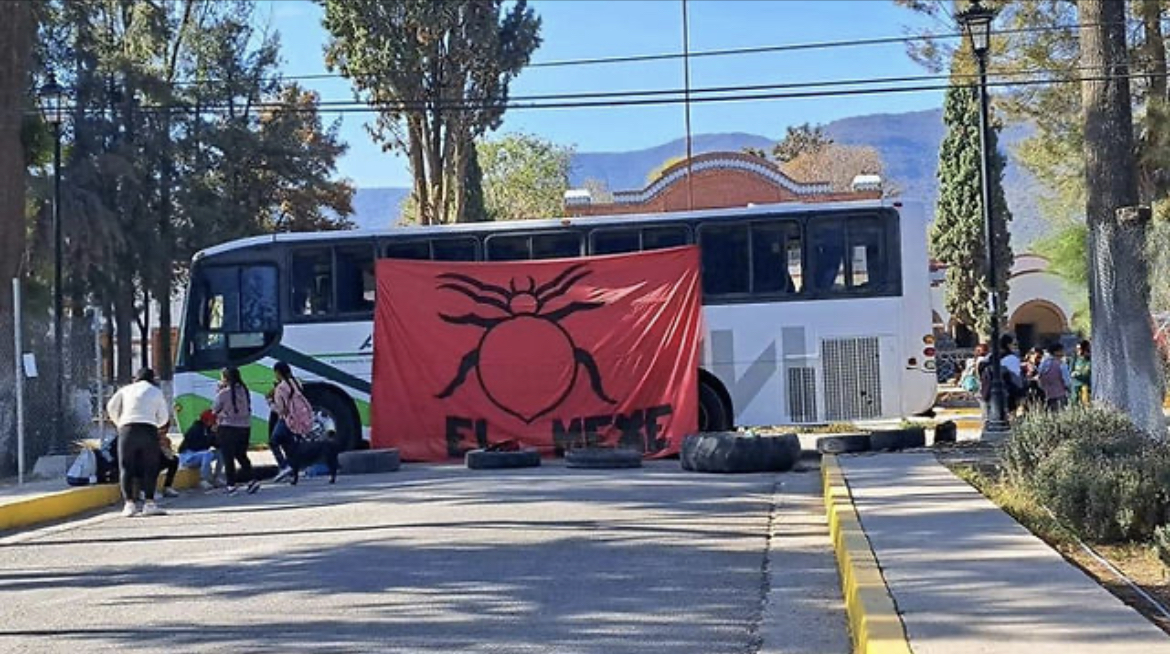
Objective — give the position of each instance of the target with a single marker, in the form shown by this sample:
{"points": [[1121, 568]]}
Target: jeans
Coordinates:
{"points": [[202, 460], [281, 442]]}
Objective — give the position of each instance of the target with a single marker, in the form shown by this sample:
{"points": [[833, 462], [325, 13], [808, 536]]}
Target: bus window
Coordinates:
{"points": [[657, 238], [773, 245], [355, 280], [408, 250], [507, 248], [220, 310], [259, 303], [557, 245], [827, 255], [312, 283], [455, 249], [725, 259], [614, 241], [868, 261]]}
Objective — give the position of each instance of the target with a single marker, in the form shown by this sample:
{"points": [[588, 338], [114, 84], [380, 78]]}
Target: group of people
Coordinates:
{"points": [[1041, 378], [219, 439]]}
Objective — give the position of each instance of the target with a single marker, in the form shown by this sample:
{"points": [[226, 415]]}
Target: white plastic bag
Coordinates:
{"points": [[83, 472]]}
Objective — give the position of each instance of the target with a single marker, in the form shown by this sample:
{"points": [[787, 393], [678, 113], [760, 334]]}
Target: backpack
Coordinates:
{"points": [[300, 413], [83, 472]]}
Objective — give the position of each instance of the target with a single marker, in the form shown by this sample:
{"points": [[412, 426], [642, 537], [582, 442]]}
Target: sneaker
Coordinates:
{"points": [[206, 485], [150, 508], [129, 510], [253, 486], [231, 490], [170, 492], [284, 474]]}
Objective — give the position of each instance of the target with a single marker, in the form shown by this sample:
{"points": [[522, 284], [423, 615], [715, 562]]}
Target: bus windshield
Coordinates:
{"points": [[233, 313]]}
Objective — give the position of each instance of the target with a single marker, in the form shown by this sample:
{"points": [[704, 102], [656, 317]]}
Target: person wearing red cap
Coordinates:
{"points": [[196, 449]]}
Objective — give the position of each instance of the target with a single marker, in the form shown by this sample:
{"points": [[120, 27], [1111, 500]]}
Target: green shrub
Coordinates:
{"points": [[1095, 470]]}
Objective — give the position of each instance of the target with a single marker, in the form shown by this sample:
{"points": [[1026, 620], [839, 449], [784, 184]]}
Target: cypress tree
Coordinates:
{"points": [[956, 236]]}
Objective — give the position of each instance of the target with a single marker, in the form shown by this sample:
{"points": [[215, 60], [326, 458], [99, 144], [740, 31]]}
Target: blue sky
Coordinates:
{"points": [[574, 29]]}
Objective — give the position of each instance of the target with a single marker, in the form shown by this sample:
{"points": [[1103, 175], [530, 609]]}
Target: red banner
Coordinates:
{"points": [[547, 353]]}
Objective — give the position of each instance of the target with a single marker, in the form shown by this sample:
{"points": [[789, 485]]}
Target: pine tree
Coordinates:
{"points": [[956, 236]]}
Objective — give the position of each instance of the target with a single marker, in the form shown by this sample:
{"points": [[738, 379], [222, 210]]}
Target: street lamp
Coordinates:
{"points": [[976, 22], [52, 100]]}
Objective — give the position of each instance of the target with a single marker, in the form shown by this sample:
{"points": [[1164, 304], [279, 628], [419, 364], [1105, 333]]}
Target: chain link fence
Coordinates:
{"points": [[47, 427]]}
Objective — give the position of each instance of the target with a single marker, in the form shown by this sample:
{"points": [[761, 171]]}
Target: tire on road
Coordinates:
{"points": [[487, 460], [890, 440], [329, 403], [843, 443], [603, 458], [365, 462], [733, 452], [946, 432]]}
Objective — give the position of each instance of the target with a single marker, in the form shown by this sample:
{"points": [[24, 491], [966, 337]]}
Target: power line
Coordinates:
{"points": [[723, 52], [712, 95]]}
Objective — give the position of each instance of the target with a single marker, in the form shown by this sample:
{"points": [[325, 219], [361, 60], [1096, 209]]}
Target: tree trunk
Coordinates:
{"points": [[1125, 365], [16, 34], [123, 321]]}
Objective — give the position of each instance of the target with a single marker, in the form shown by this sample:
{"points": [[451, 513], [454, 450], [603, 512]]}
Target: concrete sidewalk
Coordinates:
{"points": [[967, 578]]}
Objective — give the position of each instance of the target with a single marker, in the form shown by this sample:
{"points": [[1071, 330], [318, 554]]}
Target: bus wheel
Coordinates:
{"points": [[332, 414], [713, 413]]}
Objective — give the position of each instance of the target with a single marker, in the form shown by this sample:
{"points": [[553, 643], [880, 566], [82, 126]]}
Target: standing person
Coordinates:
{"points": [[1082, 374], [233, 413], [294, 416], [1055, 379], [140, 412], [1012, 371], [1030, 367]]}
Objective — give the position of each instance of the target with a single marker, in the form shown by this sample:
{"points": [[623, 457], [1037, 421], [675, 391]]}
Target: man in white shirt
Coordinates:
{"points": [[140, 412]]}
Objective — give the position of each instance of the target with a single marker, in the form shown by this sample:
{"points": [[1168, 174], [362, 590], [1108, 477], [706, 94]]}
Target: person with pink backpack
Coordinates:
{"points": [[294, 417]]}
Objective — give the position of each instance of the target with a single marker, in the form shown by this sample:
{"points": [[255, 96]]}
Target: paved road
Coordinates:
{"points": [[441, 559]]}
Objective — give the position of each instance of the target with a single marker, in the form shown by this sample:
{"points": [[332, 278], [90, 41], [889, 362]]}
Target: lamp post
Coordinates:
{"points": [[976, 22], [52, 100]]}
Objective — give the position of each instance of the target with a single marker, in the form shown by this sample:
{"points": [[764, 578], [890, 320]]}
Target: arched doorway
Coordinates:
{"points": [[1037, 323]]}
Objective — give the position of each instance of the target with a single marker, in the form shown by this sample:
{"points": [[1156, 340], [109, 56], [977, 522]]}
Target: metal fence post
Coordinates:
{"points": [[97, 354], [18, 369]]}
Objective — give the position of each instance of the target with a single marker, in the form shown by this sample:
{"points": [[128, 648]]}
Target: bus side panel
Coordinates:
{"points": [[919, 381]]}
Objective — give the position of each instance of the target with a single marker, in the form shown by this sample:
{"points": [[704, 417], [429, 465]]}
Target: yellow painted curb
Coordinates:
{"points": [[29, 511], [874, 622]]}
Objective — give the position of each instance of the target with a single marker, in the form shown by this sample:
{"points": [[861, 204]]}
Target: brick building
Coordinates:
{"points": [[720, 179]]}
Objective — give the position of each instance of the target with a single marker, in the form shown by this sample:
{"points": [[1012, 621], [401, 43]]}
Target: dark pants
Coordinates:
{"points": [[281, 442], [171, 466], [233, 446], [1057, 403], [138, 459]]}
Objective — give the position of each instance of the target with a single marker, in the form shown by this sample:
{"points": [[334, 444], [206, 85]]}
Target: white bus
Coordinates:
{"points": [[813, 313]]}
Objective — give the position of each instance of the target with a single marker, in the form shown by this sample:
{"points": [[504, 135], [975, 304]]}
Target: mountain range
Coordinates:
{"points": [[908, 142]]}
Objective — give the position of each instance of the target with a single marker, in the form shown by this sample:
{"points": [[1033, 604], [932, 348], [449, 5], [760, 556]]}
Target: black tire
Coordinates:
{"points": [[486, 460], [890, 440], [843, 443], [946, 432], [714, 414], [732, 452], [603, 458], [365, 462], [329, 404]]}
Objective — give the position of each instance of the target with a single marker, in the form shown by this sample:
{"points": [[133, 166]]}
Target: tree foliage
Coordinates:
{"points": [[800, 140], [957, 233], [524, 176], [836, 164], [180, 136], [439, 74]]}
